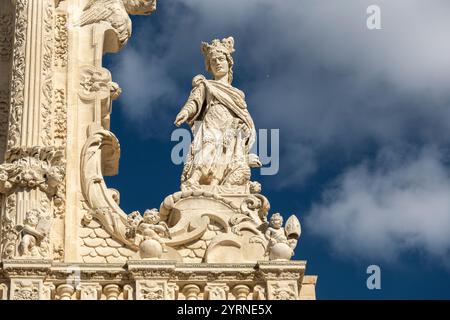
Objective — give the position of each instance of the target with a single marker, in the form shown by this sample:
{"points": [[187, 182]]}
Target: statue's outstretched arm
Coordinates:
{"points": [[192, 106]]}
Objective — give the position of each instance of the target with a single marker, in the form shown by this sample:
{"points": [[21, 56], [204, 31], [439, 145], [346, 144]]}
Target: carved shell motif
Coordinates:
{"points": [[293, 229]]}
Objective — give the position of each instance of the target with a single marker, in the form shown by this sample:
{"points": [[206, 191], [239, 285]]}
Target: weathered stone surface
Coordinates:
{"points": [[63, 233]]}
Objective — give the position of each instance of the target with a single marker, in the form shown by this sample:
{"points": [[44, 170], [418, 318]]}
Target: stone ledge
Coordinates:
{"points": [[171, 280]]}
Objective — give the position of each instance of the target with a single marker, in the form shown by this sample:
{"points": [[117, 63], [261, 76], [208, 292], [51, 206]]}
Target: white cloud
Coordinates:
{"points": [[383, 209], [337, 91], [310, 68], [145, 81]]}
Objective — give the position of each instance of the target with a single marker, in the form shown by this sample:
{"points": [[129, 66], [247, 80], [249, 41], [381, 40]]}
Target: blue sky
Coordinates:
{"points": [[363, 118]]}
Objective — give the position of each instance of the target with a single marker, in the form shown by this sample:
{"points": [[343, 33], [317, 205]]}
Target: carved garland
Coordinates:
{"points": [[9, 233], [18, 73], [47, 86]]}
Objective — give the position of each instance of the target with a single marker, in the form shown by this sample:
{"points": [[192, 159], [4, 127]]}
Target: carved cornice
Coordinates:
{"points": [[167, 277], [26, 268]]}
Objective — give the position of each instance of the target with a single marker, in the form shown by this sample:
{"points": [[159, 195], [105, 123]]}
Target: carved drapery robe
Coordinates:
{"points": [[223, 135]]}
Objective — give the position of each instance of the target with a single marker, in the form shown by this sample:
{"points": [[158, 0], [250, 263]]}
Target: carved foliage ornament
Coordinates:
{"points": [[34, 167], [115, 13], [10, 234], [26, 290], [61, 40], [47, 84], [18, 73]]}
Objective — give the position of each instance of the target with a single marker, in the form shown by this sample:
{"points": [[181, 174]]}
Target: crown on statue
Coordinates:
{"points": [[225, 45]]}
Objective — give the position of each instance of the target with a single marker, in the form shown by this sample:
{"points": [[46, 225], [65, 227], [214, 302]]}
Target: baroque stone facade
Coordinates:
{"points": [[63, 234]]}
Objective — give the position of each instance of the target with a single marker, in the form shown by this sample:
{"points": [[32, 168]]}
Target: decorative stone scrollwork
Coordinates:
{"points": [[47, 75], [282, 290], [18, 73], [35, 167], [96, 85], [10, 234], [216, 291], [100, 156], [115, 13], [26, 289], [61, 40], [60, 129], [89, 291], [97, 82], [201, 223], [151, 290]]}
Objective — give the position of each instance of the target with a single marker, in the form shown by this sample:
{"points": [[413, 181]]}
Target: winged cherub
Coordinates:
{"points": [[115, 12]]}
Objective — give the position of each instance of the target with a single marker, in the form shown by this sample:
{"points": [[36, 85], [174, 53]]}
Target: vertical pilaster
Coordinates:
{"points": [[33, 167]]}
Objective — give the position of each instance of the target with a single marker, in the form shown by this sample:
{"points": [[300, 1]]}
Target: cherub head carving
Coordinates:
{"points": [[276, 221], [151, 216], [218, 59], [32, 218]]}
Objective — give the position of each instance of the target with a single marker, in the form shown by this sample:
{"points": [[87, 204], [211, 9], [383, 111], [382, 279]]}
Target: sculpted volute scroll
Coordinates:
{"points": [[216, 190]]}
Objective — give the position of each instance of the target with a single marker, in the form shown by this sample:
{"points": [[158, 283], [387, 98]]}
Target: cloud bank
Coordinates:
{"points": [[338, 92], [388, 207]]}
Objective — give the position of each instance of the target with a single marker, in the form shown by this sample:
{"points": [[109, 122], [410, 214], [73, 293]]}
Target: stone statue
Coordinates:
{"points": [[34, 232], [221, 124], [282, 241], [152, 232], [115, 12]]}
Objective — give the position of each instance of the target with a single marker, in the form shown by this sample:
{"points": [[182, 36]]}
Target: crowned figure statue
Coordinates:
{"points": [[219, 157]]}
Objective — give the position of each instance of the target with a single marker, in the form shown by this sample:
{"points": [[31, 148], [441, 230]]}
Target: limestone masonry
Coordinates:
{"points": [[63, 234]]}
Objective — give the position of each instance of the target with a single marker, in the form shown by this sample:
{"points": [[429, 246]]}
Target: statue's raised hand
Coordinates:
{"points": [[181, 118]]}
